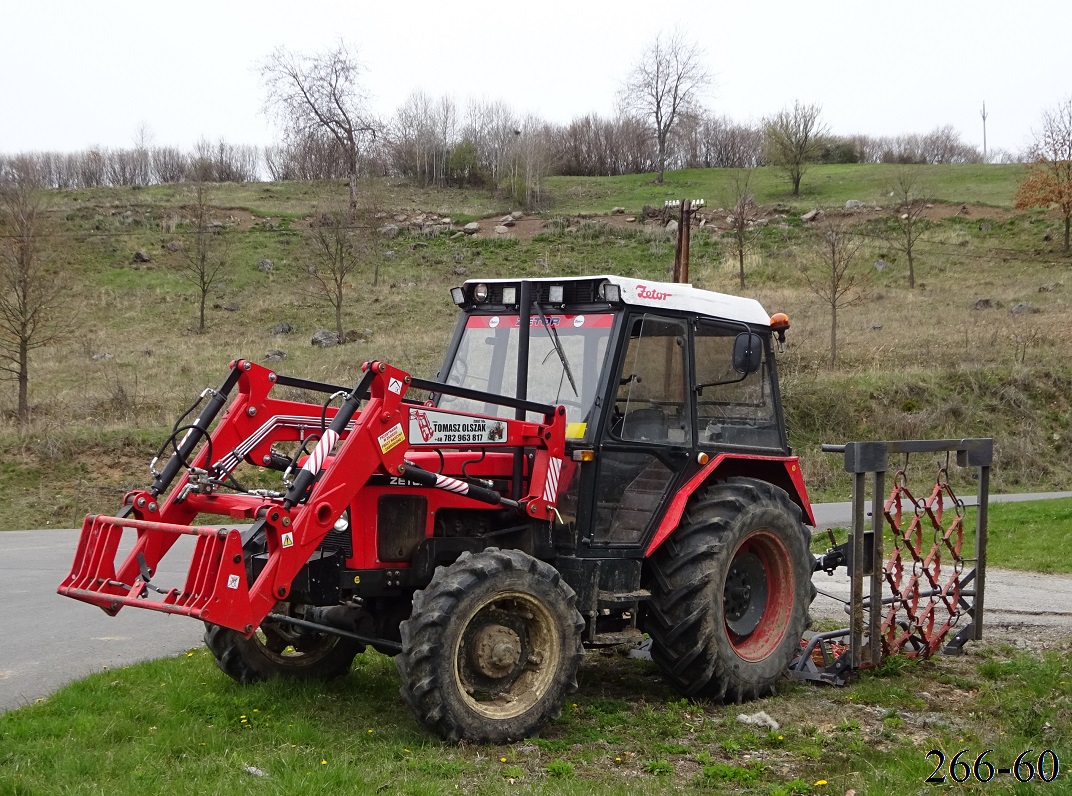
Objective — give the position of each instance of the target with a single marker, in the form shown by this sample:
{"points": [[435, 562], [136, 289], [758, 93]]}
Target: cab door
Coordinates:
{"points": [[647, 431]]}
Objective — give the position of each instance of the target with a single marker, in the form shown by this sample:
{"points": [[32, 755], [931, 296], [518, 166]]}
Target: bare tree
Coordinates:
{"points": [[663, 84], [339, 249], [831, 272], [1049, 177], [742, 229], [203, 261], [792, 139], [28, 292], [909, 220], [323, 92]]}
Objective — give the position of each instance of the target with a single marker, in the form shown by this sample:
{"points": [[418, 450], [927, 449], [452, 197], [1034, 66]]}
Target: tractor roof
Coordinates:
{"points": [[664, 295]]}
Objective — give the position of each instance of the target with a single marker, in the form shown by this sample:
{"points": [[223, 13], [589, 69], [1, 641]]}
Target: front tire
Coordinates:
{"points": [[731, 590], [279, 650], [491, 649]]}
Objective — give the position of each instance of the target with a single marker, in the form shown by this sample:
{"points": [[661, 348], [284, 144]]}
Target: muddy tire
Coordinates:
{"points": [[278, 650], [731, 589], [491, 649]]}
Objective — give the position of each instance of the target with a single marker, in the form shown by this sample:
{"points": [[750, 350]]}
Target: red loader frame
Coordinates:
{"points": [[355, 443]]}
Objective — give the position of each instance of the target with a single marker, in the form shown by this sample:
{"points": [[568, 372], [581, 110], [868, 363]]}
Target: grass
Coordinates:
{"points": [[180, 726], [919, 363]]}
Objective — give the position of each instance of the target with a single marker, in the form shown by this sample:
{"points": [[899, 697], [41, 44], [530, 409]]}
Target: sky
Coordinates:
{"points": [[76, 74]]}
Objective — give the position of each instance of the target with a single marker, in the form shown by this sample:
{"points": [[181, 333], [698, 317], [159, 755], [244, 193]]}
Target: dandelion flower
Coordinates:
{"points": [[820, 782], [502, 759], [323, 762]]}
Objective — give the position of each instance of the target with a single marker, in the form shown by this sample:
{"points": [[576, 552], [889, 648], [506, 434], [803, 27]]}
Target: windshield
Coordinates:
{"points": [[487, 361]]}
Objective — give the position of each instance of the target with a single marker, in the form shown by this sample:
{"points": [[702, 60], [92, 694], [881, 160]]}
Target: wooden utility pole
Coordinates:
{"points": [[684, 235]]}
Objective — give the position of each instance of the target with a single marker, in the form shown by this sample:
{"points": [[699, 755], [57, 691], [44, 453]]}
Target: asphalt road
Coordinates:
{"points": [[53, 640]]}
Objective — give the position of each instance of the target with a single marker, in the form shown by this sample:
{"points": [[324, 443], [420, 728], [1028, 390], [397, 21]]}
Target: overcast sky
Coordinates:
{"points": [[75, 73]]}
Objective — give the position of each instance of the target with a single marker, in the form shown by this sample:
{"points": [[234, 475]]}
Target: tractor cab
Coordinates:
{"points": [[657, 379]]}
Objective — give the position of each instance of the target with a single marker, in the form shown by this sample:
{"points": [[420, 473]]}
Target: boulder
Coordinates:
{"points": [[853, 204], [502, 230], [274, 355], [142, 257], [471, 228], [282, 328], [812, 215], [517, 214], [324, 339], [1023, 308], [173, 246], [265, 265], [671, 226], [388, 231], [617, 211]]}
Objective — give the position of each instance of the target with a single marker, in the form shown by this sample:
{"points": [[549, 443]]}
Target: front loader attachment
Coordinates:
{"points": [[215, 588], [374, 436]]}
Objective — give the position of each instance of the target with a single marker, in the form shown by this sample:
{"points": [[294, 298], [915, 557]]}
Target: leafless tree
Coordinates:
{"points": [[321, 92], [28, 292], [665, 83], [909, 219], [792, 139], [742, 209], [203, 261], [339, 248], [831, 271]]}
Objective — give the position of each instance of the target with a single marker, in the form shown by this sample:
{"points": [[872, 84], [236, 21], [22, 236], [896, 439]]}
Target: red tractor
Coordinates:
{"points": [[602, 458]]}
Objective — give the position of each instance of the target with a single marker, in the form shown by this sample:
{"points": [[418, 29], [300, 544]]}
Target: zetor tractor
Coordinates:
{"points": [[602, 458]]}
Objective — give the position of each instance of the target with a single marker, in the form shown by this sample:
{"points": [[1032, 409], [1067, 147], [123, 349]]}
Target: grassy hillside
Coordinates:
{"points": [[913, 363]]}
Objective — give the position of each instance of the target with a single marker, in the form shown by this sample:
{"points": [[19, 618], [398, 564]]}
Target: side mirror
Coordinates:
{"points": [[747, 352]]}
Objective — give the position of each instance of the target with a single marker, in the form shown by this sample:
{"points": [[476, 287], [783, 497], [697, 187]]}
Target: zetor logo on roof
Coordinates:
{"points": [[645, 292]]}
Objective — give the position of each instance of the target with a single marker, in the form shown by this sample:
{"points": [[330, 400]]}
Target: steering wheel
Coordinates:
{"points": [[459, 371]]}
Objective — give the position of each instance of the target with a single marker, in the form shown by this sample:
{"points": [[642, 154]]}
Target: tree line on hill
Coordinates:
{"points": [[488, 145]]}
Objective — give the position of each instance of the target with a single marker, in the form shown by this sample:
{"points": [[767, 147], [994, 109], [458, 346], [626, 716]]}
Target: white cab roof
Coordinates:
{"points": [[669, 295]]}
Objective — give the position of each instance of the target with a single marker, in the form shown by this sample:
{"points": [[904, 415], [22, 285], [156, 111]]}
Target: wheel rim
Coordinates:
{"points": [[289, 647], [507, 655], [758, 595]]}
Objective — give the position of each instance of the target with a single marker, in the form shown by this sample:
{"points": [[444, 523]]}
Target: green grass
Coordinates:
{"points": [[180, 726], [922, 363], [828, 186], [1026, 535]]}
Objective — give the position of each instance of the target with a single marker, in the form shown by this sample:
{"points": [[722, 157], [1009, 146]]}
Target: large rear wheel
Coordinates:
{"points": [[491, 649], [730, 592]]}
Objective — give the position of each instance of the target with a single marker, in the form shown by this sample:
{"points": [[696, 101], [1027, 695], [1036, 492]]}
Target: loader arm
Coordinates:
{"points": [[368, 435]]}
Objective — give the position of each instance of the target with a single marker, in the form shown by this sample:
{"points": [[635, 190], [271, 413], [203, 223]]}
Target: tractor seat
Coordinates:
{"points": [[646, 425]]}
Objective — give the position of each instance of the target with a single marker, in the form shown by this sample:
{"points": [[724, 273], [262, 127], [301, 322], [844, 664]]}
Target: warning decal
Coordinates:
{"points": [[391, 437], [432, 427]]}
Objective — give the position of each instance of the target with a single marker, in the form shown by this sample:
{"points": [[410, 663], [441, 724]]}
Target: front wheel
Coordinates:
{"points": [[731, 590], [277, 649], [491, 649]]}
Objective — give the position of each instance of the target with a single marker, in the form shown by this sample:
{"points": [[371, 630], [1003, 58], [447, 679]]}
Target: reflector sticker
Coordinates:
{"points": [[232, 581], [432, 427], [321, 451], [288, 539], [575, 430], [391, 438], [550, 489]]}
